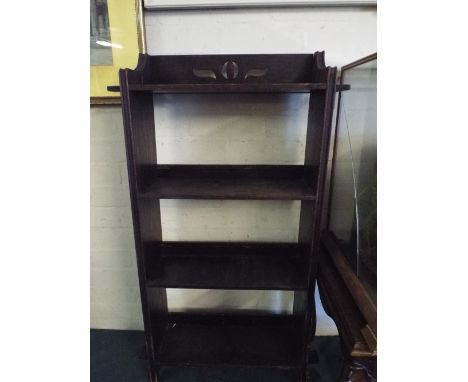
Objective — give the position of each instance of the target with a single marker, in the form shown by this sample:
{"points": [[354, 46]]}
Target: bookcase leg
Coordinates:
{"points": [[152, 373]]}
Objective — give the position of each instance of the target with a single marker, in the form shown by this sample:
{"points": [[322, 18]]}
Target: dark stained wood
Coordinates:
{"points": [[359, 369], [140, 147], [344, 297], [229, 339], [213, 265], [227, 182], [355, 287], [370, 337], [300, 302], [214, 373], [182, 69], [230, 88], [339, 305], [113, 88], [316, 155], [244, 339], [361, 61], [340, 87]]}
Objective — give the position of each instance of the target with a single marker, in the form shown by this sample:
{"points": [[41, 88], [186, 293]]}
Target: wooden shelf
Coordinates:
{"points": [[212, 265], [235, 340], [247, 340], [230, 88], [228, 182], [228, 374]]}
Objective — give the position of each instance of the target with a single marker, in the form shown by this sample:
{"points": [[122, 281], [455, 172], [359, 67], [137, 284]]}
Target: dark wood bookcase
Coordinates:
{"points": [[278, 342]]}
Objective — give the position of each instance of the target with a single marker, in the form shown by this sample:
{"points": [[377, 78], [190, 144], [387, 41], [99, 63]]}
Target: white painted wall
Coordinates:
{"points": [[213, 129], [344, 33], [115, 300]]}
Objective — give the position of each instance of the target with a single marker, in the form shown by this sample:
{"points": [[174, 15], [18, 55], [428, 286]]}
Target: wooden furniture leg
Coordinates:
{"points": [[359, 370]]}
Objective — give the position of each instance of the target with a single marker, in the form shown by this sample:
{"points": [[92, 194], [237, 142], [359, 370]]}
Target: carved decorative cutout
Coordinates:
{"points": [[256, 73], [204, 73], [230, 70]]}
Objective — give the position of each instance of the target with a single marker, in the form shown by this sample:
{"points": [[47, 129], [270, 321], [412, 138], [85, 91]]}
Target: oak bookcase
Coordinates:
{"points": [[278, 343]]}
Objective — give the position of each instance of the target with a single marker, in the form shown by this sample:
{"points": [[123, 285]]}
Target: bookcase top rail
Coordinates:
{"points": [[306, 71], [229, 88]]}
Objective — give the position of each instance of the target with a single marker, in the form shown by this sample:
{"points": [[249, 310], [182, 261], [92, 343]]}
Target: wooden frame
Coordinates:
{"points": [[343, 296], [127, 39], [277, 342], [341, 86]]}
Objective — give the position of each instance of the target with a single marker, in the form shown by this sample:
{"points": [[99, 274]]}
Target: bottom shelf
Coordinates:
{"points": [[231, 340], [227, 374]]}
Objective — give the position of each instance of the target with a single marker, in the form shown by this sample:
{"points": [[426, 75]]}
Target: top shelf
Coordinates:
{"points": [[230, 88], [231, 73]]}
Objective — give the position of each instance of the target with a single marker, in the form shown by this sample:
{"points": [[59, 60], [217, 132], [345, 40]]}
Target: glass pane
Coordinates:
{"points": [[353, 208], [100, 39]]}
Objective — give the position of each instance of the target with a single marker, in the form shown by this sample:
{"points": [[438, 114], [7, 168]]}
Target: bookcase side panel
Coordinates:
{"points": [[316, 154], [140, 145]]}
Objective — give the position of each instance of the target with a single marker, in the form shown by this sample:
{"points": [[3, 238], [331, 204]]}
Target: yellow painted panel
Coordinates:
{"points": [[123, 21]]}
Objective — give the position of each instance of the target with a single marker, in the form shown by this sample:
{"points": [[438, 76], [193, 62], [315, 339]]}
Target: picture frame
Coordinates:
{"points": [[116, 39]]}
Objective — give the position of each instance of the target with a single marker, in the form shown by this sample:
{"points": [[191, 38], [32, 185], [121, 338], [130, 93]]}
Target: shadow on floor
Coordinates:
{"points": [[116, 356]]}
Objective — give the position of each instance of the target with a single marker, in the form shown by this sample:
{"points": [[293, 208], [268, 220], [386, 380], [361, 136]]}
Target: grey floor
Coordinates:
{"points": [[116, 356]]}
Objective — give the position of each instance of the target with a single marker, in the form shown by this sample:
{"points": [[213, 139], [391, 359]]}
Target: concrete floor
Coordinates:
{"points": [[116, 356]]}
